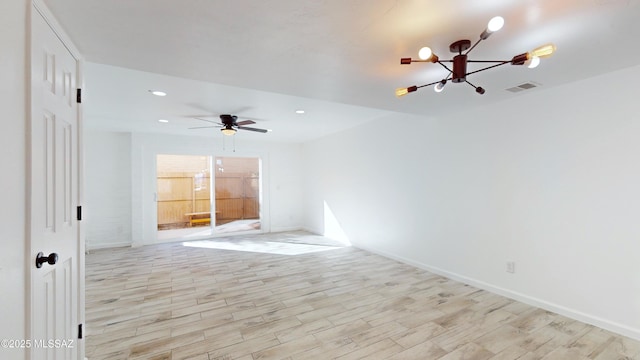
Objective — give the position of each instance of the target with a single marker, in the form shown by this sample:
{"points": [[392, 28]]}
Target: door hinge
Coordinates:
{"points": [[79, 214], [79, 96], [79, 331]]}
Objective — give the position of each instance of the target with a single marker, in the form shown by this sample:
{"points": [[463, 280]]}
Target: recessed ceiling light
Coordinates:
{"points": [[158, 93], [163, 121], [299, 111]]}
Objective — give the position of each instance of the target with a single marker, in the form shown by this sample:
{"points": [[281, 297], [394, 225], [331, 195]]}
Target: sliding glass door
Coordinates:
{"points": [[237, 194], [183, 193], [191, 203]]}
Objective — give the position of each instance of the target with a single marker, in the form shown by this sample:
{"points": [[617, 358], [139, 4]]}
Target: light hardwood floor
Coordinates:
{"points": [[172, 301]]}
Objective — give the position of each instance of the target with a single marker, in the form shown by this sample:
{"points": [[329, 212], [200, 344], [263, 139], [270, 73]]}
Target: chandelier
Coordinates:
{"points": [[458, 73]]}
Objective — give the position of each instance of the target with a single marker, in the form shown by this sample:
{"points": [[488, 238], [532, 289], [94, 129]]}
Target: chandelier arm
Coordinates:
{"points": [[488, 61], [488, 67], [478, 61], [474, 45], [479, 89], [445, 66], [429, 84]]}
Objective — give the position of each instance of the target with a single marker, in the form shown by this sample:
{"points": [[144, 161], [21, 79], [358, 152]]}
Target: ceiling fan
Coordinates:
{"points": [[229, 125]]}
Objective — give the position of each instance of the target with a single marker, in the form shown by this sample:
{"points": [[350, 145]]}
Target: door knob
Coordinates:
{"points": [[41, 259]]}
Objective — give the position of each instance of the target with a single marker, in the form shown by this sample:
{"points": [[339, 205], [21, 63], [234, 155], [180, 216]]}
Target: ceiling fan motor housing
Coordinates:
{"points": [[228, 120]]}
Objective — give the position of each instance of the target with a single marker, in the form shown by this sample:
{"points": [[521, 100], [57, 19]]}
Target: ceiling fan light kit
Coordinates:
{"points": [[458, 72], [228, 130]]}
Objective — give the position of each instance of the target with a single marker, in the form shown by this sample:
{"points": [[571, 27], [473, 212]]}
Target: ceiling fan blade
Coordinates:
{"points": [[245, 122], [207, 120], [204, 127], [241, 110], [253, 129]]}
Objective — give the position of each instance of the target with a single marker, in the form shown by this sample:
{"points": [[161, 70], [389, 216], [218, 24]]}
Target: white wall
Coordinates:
{"points": [[13, 69], [107, 210], [550, 180], [121, 181], [282, 180]]}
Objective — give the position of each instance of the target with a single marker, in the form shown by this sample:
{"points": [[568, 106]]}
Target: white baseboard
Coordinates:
{"points": [[529, 300]]}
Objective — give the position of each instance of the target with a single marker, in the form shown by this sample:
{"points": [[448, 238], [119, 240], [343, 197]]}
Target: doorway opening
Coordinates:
{"points": [[199, 196]]}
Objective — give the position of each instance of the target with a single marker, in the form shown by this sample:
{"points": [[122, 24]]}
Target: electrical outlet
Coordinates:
{"points": [[511, 267]]}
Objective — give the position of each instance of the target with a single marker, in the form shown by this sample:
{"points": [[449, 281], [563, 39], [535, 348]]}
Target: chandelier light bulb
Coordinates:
{"points": [[543, 51], [404, 91], [439, 86], [533, 62], [401, 92], [495, 24], [425, 53]]}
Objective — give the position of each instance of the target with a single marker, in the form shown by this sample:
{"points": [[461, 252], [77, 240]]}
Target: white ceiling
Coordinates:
{"points": [[339, 60]]}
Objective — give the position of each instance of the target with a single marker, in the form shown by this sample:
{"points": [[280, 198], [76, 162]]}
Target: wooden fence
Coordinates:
{"points": [[179, 194]]}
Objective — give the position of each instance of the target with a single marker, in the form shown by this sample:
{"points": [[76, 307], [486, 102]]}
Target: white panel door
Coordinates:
{"points": [[54, 196]]}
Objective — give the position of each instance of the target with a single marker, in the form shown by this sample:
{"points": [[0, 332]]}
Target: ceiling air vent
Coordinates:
{"points": [[522, 87]]}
